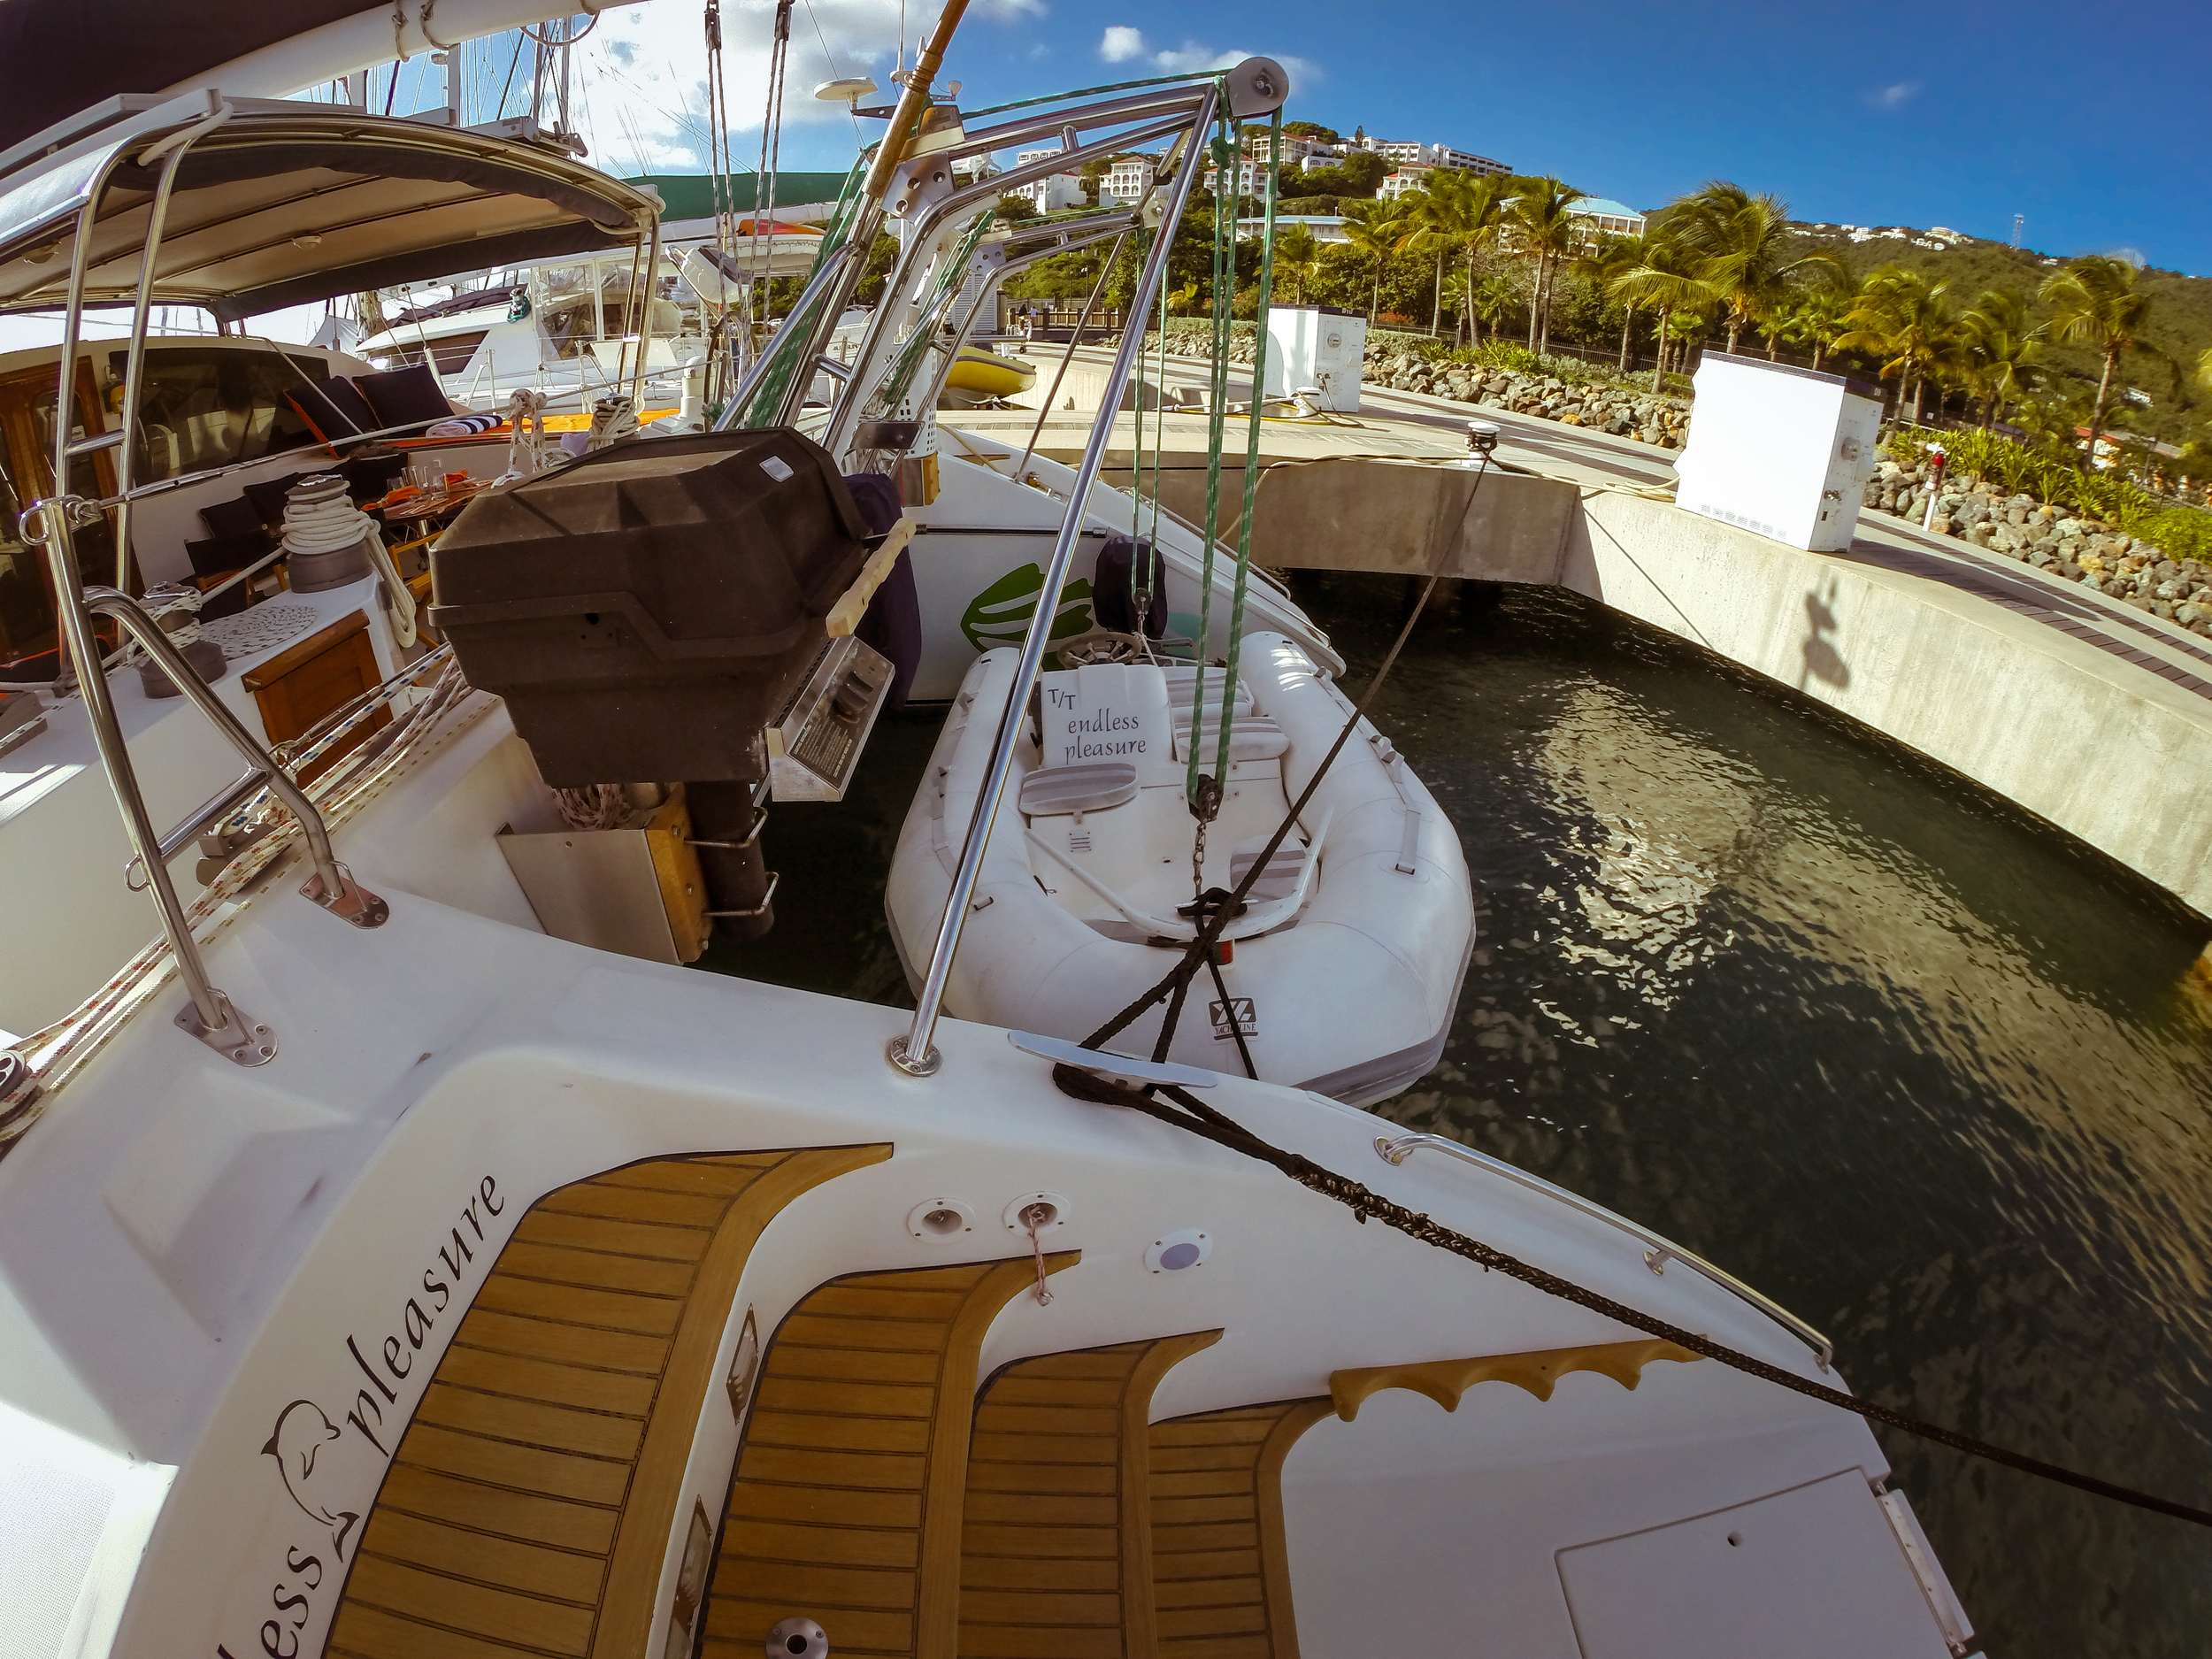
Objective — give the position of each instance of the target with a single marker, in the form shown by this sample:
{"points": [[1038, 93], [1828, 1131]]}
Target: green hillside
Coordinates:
{"points": [[2180, 324]]}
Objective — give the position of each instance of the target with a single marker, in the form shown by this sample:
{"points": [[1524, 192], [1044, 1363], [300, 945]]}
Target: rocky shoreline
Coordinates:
{"points": [[1409, 363], [2054, 539], [1599, 406]]}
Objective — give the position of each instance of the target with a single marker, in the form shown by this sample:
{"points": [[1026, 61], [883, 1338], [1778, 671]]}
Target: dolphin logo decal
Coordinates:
{"points": [[301, 1431]]}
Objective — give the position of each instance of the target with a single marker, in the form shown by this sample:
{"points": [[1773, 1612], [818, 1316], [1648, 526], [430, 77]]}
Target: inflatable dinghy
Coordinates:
{"points": [[1345, 965], [982, 372]]}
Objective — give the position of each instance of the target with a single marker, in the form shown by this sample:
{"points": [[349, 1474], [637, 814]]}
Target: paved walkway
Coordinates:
{"points": [[1393, 423]]}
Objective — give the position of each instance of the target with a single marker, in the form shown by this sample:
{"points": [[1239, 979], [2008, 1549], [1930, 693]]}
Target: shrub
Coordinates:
{"points": [[2179, 532]]}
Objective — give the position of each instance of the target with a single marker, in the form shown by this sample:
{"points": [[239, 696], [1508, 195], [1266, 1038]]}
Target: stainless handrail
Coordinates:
{"points": [[832, 266], [914, 1053], [923, 228], [178, 145], [51, 522], [1068, 241], [1659, 1249]]}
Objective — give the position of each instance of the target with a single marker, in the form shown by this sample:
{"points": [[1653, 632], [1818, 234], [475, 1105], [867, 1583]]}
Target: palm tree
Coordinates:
{"points": [[1371, 230], [1466, 209], [1901, 316], [1544, 224], [1426, 227], [1494, 298], [2095, 303], [1665, 280], [1298, 251], [1819, 316], [1611, 257], [1742, 244], [2002, 350]]}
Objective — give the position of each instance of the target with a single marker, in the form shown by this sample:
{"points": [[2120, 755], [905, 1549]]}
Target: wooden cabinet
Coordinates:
{"points": [[323, 673]]}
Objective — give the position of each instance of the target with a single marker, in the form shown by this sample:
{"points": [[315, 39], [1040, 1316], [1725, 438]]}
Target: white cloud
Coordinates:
{"points": [[1121, 43], [640, 95], [1895, 98], [1192, 58]]}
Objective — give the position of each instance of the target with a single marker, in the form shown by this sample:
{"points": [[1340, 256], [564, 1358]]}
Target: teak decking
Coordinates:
{"points": [[529, 1505]]}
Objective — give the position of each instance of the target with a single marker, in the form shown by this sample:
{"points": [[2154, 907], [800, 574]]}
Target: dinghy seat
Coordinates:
{"points": [[1279, 880], [1078, 789], [1182, 690], [1251, 737], [1107, 712]]}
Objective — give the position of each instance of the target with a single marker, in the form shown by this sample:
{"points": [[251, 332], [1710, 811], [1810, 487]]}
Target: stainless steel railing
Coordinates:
{"points": [[915, 1053], [51, 522], [1658, 1251]]}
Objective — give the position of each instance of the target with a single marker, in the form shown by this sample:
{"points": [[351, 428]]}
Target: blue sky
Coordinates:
{"points": [[2091, 123]]}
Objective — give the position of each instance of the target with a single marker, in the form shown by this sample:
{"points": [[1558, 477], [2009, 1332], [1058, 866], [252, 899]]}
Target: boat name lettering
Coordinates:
{"points": [[1078, 750], [330, 1461]]}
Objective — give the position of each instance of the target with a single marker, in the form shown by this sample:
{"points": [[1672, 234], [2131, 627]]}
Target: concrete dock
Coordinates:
{"points": [[2092, 715]]}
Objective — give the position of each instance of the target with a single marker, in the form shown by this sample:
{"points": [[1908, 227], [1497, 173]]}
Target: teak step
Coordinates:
{"points": [[1221, 1570], [847, 1505], [1056, 1553], [528, 1507]]}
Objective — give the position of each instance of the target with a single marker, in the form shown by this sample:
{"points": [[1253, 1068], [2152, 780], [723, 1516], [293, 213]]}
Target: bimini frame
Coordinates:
{"points": [[417, 199], [920, 183]]}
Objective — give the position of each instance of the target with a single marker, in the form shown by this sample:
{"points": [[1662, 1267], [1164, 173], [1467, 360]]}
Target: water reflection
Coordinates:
{"points": [[1910, 1062], [1907, 1060]]}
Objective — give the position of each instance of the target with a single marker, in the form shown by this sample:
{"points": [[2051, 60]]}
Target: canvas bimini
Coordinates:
{"points": [[382, 1273]]}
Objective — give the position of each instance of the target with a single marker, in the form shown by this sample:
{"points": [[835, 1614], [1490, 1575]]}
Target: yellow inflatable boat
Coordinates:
{"points": [[982, 372]]}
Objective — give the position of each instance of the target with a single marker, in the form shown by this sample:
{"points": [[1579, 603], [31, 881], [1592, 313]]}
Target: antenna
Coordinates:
{"points": [[2018, 220]]}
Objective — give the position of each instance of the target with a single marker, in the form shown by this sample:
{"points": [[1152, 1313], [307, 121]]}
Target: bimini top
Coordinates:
{"points": [[286, 204]]}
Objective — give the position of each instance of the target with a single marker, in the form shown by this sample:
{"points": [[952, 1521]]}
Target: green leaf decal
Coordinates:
{"points": [[1000, 615]]}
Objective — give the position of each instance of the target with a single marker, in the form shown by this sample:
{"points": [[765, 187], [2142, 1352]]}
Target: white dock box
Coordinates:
{"points": [[1317, 345], [1783, 451]]}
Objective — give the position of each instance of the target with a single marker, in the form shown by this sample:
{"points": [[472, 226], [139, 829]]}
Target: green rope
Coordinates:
{"points": [[1159, 408], [1220, 80], [895, 385], [798, 329], [1224, 284], [1251, 453], [1136, 445]]}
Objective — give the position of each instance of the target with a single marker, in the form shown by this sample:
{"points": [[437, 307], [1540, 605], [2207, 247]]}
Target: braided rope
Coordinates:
{"points": [[1200, 1119], [58, 1051]]}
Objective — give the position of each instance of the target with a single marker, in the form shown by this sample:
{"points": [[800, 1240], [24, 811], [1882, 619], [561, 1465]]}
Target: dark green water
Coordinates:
{"points": [[1918, 1066]]}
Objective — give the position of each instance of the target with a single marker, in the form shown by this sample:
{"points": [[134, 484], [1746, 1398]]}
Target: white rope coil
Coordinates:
{"points": [[319, 517], [175, 607]]}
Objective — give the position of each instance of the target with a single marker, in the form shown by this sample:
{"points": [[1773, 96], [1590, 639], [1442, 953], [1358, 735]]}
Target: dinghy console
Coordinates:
{"points": [[663, 610]]}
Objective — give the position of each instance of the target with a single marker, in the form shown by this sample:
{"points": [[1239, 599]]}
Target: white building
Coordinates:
{"points": [[1296, 147], [1608, 216], [1405, 151], [1051, 193], [1407, 178], [1324, 227], [1251, 179], [973, 168], [1126, 181]]}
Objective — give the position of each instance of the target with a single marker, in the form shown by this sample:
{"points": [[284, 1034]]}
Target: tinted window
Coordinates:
{"points": [[204, 406]]}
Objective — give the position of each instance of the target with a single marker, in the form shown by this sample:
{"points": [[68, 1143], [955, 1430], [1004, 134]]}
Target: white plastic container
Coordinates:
{"points": [[1319, 346], [1782, 451]]}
